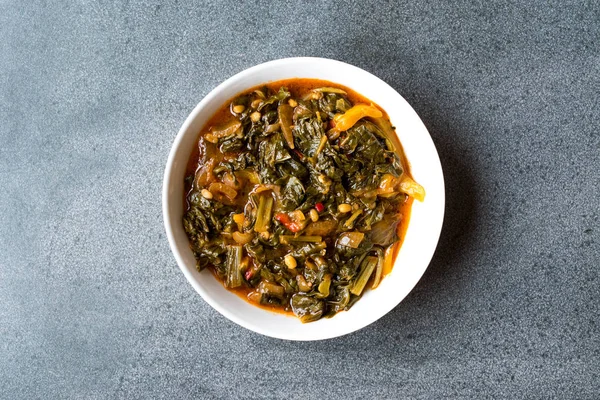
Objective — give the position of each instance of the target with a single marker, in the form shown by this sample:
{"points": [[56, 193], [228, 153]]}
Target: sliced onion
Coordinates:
{"points": [[217, 132], [204, 175], [272, 128], [230, 180], [217, 187], [263, 188], [351, 239], [242, 238]]}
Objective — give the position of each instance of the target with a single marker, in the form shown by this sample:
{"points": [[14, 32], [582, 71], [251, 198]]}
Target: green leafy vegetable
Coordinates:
{"points": [[285, 120], [297, 199], [293, 194], [367, 270], [307, 308], [263, 214], [234, 273]]}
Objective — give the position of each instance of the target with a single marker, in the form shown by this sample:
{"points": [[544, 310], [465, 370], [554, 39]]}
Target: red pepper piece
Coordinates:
{"points": [[320, 207], [300, 155], [251, 272], [248, 274], [287, 222]]}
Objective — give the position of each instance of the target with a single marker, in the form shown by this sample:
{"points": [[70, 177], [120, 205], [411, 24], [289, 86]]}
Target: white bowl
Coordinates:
{"points": [[423, 230]]}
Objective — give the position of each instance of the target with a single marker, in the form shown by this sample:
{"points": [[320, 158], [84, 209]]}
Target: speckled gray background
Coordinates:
{"points": [[92, 304]]}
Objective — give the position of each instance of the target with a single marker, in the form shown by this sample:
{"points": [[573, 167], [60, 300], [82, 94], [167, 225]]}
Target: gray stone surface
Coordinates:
{"points": [[92, 302]]}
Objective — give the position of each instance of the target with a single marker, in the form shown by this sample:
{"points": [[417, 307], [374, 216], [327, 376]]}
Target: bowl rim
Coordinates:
{"points": [[167, 179]]}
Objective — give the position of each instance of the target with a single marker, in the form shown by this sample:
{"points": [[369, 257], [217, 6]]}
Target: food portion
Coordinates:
{"points": [[298, 196]]}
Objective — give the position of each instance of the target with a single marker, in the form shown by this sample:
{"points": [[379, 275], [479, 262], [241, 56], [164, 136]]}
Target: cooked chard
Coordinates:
{"points": [[285, 121], [234, 273], [299, 198], [263, 214], [367, 270], [286, 239]]}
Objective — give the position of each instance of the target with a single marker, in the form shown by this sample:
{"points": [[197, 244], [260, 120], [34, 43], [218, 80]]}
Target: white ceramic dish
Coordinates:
{"points": [[423, 230]]}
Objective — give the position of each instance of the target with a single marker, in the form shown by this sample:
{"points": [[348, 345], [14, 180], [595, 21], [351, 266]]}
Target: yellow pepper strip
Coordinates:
{"points": [[411, 188], [345, 121]]}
